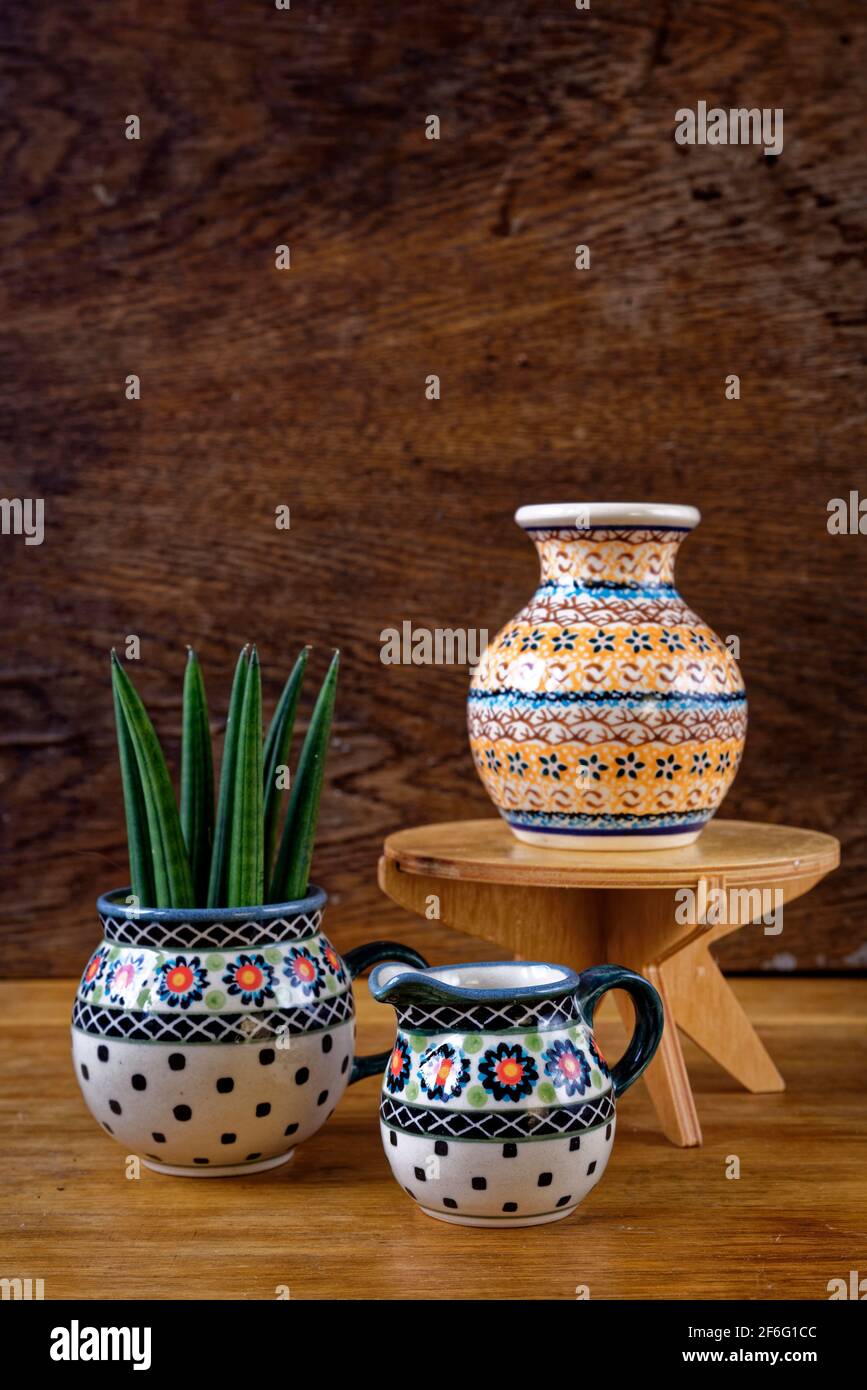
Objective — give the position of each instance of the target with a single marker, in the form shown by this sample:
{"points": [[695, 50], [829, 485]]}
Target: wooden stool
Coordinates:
{"points": [[585, 909]]}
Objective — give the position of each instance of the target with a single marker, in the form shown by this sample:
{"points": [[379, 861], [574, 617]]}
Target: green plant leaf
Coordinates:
{"points": [[218, 883], [138, 840], [277, 744], [246, 860], [197, 778], [173, 884], [292, 870]]}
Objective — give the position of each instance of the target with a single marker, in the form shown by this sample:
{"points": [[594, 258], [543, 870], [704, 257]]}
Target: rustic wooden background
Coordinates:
{"points": [[305, 387]]}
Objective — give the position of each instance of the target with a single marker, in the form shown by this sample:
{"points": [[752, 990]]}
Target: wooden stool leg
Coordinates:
{"points": [[639, 931], [709, 1013], [666, 1077]]}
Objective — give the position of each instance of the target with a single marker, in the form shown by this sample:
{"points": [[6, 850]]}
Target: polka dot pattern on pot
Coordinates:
{"points": [[489, 1181], [227, 1033], [206, 1106]]}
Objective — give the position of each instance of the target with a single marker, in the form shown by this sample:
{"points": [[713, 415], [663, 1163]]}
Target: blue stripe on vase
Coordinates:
{"points": [[606, 588], [509, 695], [560, 823]]}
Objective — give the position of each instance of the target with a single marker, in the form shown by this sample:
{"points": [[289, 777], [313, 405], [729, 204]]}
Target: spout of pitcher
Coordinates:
{"points": [[393, 983]]}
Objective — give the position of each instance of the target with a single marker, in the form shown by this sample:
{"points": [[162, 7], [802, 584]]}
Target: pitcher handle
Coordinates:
{"points": [[649, 1017], [359, 959]]}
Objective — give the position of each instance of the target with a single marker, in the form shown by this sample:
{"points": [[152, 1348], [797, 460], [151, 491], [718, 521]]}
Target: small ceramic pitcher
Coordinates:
{"points": [[213, 1041], [497, 1105]]}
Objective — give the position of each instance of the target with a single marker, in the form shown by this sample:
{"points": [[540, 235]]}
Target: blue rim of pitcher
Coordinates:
{"points": [[441, 990], [108, 905]]}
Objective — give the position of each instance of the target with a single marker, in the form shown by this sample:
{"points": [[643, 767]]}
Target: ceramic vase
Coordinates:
{"points": [[213, 1042], [497, 1106], [606, 715]]}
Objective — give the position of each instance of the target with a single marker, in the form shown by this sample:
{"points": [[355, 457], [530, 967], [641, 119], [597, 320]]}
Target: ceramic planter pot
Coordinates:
{"points": [[212, 1042], [606, 715], [497, 1106]]}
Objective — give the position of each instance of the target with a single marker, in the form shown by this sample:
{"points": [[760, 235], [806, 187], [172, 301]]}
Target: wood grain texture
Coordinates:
{"points": [[663, 1222], [735, 852], [306, 388]]}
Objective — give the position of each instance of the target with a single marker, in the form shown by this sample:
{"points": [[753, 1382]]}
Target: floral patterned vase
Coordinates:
{"points": [[497, 1106], [606, 715], [212, 1042]]}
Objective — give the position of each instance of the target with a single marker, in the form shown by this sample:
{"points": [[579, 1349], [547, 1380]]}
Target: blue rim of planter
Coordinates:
{"points": [[107, 905]]}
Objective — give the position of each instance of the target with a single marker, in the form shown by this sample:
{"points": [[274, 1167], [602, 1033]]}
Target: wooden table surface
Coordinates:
{"points": [[333, 1224]]}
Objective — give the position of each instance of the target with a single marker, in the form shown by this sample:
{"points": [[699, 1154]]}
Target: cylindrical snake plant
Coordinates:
{"points": [[196, 858]]}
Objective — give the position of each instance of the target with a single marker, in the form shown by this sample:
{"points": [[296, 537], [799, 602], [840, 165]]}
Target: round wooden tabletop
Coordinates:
{"points": [[487, 851]]}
